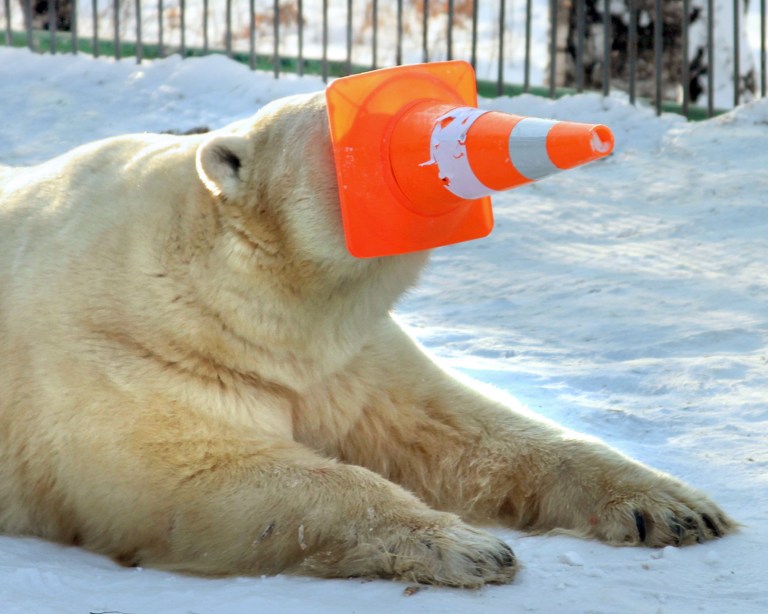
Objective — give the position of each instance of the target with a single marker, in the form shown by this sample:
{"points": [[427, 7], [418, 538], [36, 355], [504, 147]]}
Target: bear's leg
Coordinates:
{"points": [[464, 453], [493, 465], [264, 508]]}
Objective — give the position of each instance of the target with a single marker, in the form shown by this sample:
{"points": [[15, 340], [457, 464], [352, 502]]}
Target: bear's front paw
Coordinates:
{"points": [[441, 553], [669, 514], [457, 555]]}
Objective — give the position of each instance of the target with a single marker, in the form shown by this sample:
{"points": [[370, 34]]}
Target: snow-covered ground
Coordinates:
{"points": [[627, 299]]}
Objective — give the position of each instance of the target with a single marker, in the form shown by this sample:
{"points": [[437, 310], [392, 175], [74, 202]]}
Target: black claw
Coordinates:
{"points": [[506, 558], [478, 571], [711, 525], [640, 524], [678, 531]]}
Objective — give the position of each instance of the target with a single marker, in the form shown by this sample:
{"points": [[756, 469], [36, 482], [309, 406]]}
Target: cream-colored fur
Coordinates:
{"points": [[196, 375]]}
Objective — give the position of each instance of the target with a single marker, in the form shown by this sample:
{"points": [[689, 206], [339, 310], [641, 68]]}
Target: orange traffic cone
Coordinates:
{"points": [[416, 161]]}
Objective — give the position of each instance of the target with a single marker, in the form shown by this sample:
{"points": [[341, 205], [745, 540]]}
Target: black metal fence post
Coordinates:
{"points": [[763, 76], [228, 28], [116, 28], [325, 41], [500, 67], [527, 61], [7, 8], [276, 36], [52, 25], [449, 33], [348, 67], [425, 31], [300, 51], [684, 61], [139, 49], [183, 28], [580, 39], [473, 59], [710, 57], [73, 26], [95, 17], [607, 47], [399, 48], [552, 48], [374, 33], [205, 26], [658, 34], [252, 35], [736, 50], [632, 51]]}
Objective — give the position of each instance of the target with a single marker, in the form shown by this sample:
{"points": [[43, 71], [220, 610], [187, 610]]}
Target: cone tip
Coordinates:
{"points": [[601, 140]]}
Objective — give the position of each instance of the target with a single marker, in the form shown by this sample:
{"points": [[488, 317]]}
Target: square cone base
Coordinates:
{"points": [[379, 220]]}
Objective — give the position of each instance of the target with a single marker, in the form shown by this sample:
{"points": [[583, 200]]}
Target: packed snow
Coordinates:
{"points": [[625, 299]]}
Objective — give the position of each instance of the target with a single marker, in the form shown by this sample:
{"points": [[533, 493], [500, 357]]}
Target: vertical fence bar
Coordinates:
{"points": [[73, 26], [300, 58], [183, 26], [552, 47], [7, 6], [375, 37], [53, 17], [632, 51], [474, 33], [228, 28], [736, 50], [607, 46], [27, 5], [325, 41], [399, 51], [276, 36], [205, 26], [686, 62], [95, 17], [500, 67], [139, 49], [349, 38], [580, 28], [116, 24], [252, 34], [710, 58], [160, 41], [527, 64], [425, 31], [658, 33], [762, 49], [449, 34]]}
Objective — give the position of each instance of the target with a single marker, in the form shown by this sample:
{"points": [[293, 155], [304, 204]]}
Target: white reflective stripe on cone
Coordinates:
{"points": [[449, 151], [528, 148]]}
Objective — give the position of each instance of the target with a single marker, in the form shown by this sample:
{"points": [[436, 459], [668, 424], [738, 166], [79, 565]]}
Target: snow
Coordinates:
{"points": [[625, 299]]}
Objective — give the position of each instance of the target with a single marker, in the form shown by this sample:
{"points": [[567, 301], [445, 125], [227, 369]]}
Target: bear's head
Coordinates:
{"points": [[272, 183], [277, 170], [275, 176]]}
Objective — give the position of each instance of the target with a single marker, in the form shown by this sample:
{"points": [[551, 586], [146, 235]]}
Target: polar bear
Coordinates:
{"points": [[197, 376]]}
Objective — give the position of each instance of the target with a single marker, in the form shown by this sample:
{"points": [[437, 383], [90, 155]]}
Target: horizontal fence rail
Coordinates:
{"points": [[691, 56]]}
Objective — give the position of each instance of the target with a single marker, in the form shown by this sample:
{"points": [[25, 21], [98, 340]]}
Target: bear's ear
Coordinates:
{"points": [[219, 164]]}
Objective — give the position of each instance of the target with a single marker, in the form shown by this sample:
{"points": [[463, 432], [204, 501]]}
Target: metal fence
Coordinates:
{"points": [[678, 54]]}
